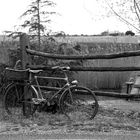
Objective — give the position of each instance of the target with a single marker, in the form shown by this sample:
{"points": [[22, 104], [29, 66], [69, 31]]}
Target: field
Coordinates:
{"points": [[100, 39], [92, 45]]}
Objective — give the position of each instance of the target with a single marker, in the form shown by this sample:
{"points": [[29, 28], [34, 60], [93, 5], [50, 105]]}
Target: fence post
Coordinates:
{"points": [[24, 43], [136, 87], [26, 61]]}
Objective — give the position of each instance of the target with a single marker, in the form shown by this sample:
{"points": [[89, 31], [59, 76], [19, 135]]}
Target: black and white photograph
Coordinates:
{"points": [[70, 69]]}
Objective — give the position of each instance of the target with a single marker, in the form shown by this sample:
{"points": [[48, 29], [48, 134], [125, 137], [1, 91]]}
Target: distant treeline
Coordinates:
{"points": [[106, 33]]}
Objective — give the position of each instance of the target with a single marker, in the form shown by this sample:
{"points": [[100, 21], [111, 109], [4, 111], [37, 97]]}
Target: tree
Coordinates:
{"points": [[129, 33], [37, 16], [105, 33], [128, 11]]}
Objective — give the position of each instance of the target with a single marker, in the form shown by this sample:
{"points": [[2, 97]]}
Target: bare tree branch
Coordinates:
{"points": [[123, 19], [135, 7]]}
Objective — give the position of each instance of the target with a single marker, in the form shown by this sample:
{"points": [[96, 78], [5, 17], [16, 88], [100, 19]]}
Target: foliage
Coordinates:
{"points": [[115, 33], [105, 33], [129, 33], [37, 17], [50, 45], [13, 34]]}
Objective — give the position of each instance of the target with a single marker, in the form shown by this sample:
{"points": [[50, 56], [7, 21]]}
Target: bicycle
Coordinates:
{"points": [[71, 100], [4, 81]]}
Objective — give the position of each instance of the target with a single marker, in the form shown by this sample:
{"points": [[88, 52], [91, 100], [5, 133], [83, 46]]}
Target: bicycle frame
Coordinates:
{"points": [[60, 90]]}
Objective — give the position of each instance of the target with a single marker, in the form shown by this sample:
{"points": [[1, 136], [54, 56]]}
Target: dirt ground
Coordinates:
{"points": [[116, 119]]}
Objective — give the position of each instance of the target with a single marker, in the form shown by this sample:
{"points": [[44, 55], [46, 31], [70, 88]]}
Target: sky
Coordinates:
{"points": [[75, 17]]}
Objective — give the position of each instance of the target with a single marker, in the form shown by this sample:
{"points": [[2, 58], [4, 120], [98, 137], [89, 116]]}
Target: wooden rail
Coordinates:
{"points": [[98, 93], [83, 57], [95, 69]]}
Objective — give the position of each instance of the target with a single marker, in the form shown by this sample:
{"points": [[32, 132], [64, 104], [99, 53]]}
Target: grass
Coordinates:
{"points": [[107, 80], [108, 119]]}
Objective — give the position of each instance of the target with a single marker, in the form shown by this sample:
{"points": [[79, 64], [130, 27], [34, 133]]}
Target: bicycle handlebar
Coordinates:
{"points": [[65, 68]]}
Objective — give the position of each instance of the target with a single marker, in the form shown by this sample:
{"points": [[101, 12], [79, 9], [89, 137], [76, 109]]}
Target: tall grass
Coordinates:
{"points": [[99, 39], [107, 80]]}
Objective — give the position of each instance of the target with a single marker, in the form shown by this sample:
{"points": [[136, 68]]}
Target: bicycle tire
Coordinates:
{"points": [[4, 88], [78, 103], [15, 102]]}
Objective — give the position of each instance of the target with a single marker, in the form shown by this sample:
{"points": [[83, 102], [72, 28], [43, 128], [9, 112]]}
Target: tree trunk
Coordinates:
{"points": [[38, 15]]}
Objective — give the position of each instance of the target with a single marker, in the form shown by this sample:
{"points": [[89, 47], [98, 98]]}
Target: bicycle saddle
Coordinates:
{"points": [[35, 71]]}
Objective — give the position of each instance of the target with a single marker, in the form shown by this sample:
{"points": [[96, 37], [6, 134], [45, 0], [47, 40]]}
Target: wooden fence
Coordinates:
{"points": [[27, 53]]}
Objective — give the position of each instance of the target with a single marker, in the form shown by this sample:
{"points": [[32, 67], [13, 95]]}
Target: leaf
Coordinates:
{"points": [[13, 34], [7, 32], [26, 23], [48, 2], [28, 12], [34, 8], [44, 21], [44, 12]]}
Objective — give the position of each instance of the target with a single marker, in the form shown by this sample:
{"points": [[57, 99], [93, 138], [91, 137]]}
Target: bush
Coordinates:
{"points": [[129, 33]]}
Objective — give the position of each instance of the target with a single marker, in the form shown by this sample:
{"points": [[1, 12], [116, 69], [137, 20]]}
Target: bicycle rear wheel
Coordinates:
{"points": [[79, 103], [15, 102]]}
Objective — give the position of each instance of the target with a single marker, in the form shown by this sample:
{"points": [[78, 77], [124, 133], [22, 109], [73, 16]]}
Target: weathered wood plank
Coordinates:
{"points": [[77, 57], [96, 69], [98, 93], [24, 43], [116, 94]]}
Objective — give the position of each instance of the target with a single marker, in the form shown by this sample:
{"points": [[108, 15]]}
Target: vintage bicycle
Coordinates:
{"points": [[24, 95]]}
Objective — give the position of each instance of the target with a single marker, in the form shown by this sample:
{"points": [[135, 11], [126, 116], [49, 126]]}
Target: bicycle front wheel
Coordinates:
{"points": [[79, 103], [15, 102]]}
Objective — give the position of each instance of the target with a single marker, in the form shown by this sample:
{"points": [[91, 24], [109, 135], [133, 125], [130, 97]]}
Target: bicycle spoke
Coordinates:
{"points": [[76, 105]]}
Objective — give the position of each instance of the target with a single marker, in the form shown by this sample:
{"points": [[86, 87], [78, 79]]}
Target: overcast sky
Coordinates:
{"points": [[76, 17]]}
